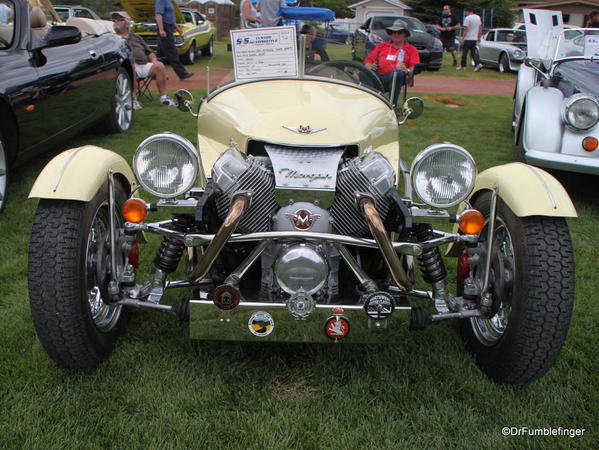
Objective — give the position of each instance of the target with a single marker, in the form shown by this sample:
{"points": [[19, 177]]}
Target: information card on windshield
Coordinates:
{"points": [[264, 52]]}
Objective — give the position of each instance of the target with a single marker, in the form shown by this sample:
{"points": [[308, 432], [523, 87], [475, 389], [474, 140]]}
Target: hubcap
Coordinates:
{"points": [[105, 316], [123, 98], [192, 53], [3, 174], [489, 330]]}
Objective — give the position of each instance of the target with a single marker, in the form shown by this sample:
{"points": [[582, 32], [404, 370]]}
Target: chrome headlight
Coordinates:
{"points": [[438, 45], [443, 175], [166, 165], [581, 112], [518, 54]]}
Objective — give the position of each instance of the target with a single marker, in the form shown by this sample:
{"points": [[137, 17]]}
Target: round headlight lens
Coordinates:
{"points": [[518, 54], [166, 165], [581, 112], [443, 175]]}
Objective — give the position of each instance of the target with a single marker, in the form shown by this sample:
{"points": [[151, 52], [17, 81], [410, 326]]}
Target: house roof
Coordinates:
{"points": [[546, 5], [397, 3]]}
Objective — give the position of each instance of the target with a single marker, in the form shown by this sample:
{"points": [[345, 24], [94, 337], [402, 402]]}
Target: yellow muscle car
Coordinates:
{"points": [[198, 32]]}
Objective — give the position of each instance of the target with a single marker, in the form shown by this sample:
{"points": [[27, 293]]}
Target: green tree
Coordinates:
{"points": [[339, 6]]}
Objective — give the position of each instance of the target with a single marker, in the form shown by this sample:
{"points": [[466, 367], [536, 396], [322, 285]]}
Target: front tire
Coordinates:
{"points": [[532, 282], [69, 270], [120, 117]]}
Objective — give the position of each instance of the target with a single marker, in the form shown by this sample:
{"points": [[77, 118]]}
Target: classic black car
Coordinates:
{"points": [[56, 81], [373, 32]]}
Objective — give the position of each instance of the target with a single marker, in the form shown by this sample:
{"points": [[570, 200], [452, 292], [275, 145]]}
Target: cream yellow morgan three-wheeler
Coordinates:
{"points": [[290, 222]]}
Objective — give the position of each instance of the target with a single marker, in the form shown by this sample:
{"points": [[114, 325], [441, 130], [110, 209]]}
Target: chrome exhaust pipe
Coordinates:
{"points": [[238, 206], [377, 228]]}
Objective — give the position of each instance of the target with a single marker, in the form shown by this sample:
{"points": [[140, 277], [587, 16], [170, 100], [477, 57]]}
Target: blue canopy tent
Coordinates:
{"points": [[306, 13], [291, 14]]}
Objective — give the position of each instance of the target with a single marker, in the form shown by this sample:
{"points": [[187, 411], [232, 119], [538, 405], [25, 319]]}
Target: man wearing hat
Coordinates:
{"points": [[394, 56]]}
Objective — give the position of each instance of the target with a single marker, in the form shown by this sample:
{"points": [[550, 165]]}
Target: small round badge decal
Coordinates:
{"points": [[261, 324], [336, 327]]}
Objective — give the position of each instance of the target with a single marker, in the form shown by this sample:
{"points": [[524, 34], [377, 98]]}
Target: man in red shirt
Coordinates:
{"points": [[394, 56]]}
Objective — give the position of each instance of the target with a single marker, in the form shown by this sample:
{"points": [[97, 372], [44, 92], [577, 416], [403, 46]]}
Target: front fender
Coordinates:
{"points": [[543, 125], [78, 173], [527, 191]]}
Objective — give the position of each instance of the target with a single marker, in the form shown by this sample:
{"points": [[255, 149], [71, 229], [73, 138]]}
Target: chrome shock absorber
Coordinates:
{"points": [[433, 269], [168, 257]]}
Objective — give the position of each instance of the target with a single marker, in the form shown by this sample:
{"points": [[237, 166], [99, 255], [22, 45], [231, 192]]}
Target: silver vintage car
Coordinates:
{"points": [[503, 48], [556, 106]]}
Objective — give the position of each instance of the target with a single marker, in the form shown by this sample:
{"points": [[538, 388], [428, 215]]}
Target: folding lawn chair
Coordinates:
{"points": [[143, 87]]}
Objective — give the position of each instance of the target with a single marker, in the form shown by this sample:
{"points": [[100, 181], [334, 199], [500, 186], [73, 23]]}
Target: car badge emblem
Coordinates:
{"points": [[226, 297], [303, 219], [336, 327], [261, 324], [304, 129], [301, 305], [379, 305]]}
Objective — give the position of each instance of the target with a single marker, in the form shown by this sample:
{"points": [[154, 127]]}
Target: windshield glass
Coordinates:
{"points": [[512, 36], [63, 13], [583, 43], [382, 22]]}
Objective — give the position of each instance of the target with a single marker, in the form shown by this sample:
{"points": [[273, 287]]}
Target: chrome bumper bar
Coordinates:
{"points": [[404, 248]]}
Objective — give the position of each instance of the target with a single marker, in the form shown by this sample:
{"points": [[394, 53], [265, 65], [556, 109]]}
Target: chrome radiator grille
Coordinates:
{"points": [[260, 182], [347, 219]]}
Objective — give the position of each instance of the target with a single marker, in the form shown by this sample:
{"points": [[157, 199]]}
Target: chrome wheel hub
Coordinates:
{"points": [[489, 330], [105, 316], [122, 100], [3, 174]]}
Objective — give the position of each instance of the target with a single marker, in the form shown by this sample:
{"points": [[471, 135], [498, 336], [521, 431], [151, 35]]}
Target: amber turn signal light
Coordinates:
{"points": [[590, 143], [471, 221], [134, 210]]}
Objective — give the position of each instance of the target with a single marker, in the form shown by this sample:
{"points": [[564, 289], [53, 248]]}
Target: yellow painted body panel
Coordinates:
{"points": [[260, 110], [527, 190], [78, 173]]}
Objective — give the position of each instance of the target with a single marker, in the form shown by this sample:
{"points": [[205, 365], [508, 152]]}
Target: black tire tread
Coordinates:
{"points": [[545, 293], [53, 290]]}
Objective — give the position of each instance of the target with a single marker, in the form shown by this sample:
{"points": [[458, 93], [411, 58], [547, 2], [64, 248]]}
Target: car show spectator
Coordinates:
{"points": [[473, 31], [268, 12], [165, 20], [394, 56], [593, 21], [447, 25], [314, 53], [249, 14], [146, 62]]}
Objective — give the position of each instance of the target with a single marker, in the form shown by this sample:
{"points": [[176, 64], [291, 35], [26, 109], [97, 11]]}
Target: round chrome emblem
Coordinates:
{"points": [[261, 324], [379, 305], [301, 305]]}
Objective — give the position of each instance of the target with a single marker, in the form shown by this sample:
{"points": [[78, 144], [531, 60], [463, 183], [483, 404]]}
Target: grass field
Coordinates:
{"points": [[160, 390]]}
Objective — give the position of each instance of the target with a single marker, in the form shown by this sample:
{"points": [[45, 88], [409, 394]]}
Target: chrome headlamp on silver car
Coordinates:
{"points": [[166, 165], [443, 175], [581, 112], [518, 55]]}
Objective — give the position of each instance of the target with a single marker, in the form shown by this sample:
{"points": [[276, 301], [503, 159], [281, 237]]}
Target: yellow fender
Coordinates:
{"points": [[78, 174], [527, 190]]}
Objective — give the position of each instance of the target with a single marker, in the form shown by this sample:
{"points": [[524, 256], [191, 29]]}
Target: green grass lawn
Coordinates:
{"points": [[160, 390], [222, 60]]}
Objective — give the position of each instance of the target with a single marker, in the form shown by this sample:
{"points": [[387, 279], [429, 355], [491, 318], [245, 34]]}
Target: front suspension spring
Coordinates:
{"points": [[171, 249], [431, 263]]}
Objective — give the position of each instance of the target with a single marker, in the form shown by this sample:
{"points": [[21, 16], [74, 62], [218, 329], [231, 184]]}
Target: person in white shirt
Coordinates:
{"points": [[473, 30], [249, 14]]}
